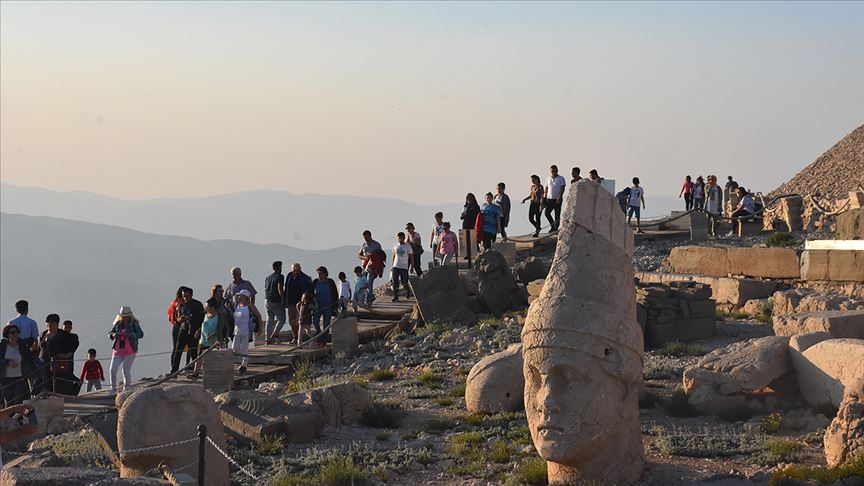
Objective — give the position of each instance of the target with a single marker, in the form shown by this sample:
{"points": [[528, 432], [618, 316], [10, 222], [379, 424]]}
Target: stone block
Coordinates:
{"points": [[697, 328], [250, 427], [54, 476], [814, 265], [850, 225], [801, 342], [825, 370], [657, 335], [764, 262], [737, 291], [699, 260], [747, 228], [218, 370], [346, 338], [46, 410], [846, 265], [698, 226], [838, 323], [856, 199], [703, 308]]}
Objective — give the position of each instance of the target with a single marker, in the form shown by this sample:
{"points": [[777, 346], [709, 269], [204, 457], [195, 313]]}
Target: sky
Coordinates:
{"points": [[419, 101]]}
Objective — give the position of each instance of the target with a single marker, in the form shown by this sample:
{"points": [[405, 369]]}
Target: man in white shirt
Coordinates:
{"points": [[713, 203], [637, 196], [746, 207], [402, 254], [553, 196]]}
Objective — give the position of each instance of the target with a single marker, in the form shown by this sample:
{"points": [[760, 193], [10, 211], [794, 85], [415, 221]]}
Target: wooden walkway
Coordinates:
{"points": [[265, 362]]}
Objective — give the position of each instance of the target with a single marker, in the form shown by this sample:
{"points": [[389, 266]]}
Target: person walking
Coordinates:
{"points": [[637, 195], [434, 237], [448, 247], [402, 254], [16, 363], [502, 200], [372, 257], [29, 330], [297, 283], [125, 333], [237, 284], [274, 293], [345, 295], [190, 315], [553, 197], [699, 193], [687, 192], [713, 204], [326, 298], [247, 323], [413, 239], [361, 287], [92, 373], [536, 197], [746, 207], [469, 211], [491, 221], [575, 175]]}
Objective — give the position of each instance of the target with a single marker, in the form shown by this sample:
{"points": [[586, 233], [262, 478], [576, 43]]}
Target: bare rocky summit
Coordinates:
{"points": [[836, 172]]}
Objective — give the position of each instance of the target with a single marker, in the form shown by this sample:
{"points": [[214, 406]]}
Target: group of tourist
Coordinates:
{"points": [[32, 361], [706, 195]]}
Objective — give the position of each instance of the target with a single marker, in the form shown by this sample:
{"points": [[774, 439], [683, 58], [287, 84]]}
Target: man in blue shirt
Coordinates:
{"points": [[28, 327], [297, 283]]}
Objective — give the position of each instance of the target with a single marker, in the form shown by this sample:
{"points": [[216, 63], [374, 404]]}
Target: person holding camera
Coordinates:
{"points": [[125, 333], [190, 315]]}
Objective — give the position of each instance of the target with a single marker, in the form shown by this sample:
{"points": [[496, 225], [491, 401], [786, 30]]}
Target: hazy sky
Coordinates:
{"points": [[419, 101]]}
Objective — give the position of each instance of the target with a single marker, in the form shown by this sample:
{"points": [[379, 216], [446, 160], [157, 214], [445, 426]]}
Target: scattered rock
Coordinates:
{"points": [[162, 415], [498, 288], [827, 368], [804, 420], [442, 295], [721, 378], [531, 269], [838, 323], [758, 307], [251, 415], [54, 476], [495, 384], [845, 436]]}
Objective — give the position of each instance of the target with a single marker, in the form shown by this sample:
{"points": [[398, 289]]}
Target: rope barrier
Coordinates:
{"points": [[232, 461]]}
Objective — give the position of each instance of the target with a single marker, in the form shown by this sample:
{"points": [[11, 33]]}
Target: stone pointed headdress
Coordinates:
{"points": [[588, 302]]}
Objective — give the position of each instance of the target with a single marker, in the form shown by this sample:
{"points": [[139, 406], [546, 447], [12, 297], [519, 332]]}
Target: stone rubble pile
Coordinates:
{"points": [[680, 311]]}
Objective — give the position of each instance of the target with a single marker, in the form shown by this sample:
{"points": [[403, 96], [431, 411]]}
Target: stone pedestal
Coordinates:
{"points": [[218, 366], [698, 226], [346, 339]]}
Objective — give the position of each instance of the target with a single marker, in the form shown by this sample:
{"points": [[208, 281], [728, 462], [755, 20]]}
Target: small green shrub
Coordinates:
{"points": [[520, 435], [531, 472], [285, 478], [776, 451], [303, 378], [461, 444], [654, 371], [678, 405], [443, 401], [678, 349], [457, 391], [500, 452], [382, 416], [737, 315], [74, 445], [781, 239], [341, 471], [381, 374], [428, 377], [473, 419], [771, 423], [269, 445], [852, 467]]}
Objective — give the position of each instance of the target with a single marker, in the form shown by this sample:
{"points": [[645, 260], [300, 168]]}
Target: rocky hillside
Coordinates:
{"points": [[836, 172]]}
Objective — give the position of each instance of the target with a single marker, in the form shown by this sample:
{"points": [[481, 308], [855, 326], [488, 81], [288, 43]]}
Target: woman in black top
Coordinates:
{"points": [[469, 212]]}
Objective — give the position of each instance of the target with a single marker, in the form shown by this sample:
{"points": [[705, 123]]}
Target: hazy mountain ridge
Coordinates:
{"points": [[86, 271]]}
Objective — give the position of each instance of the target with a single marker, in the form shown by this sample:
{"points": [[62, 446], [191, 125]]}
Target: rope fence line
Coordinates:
{"points": [[231, 460]]}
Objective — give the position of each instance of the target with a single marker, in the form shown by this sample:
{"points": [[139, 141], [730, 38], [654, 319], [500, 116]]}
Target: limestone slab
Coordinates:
{"points": [[764, 262], [838, 323], [825, 369], [699, 260]]}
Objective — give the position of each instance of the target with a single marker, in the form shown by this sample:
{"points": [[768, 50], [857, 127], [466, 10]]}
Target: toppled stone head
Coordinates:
{"points": [[582, 348]]}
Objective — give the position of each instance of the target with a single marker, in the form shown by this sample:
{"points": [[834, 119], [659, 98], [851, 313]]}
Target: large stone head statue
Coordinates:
{"points": [[582, 348]]}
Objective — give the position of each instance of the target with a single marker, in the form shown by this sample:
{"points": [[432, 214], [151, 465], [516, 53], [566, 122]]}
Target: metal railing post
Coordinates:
{"points": [[202, 442]]}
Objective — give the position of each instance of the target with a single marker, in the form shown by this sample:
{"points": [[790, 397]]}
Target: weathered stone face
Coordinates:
{"points": [[582, 348], [568, 398]]}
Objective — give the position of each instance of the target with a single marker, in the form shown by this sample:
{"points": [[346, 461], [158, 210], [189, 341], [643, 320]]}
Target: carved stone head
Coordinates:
{"points": [[582, 348]]}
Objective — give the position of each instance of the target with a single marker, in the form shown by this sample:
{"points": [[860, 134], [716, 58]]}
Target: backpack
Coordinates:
{"points": [[382, 256]]}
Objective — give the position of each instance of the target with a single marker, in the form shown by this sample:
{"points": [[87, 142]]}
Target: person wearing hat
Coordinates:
{"points": [[245, 327], [125, 332], [416, 248]]}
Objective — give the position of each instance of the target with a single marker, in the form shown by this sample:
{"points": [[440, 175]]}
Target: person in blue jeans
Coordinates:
{"points": [[326, 296], [492, 216]]}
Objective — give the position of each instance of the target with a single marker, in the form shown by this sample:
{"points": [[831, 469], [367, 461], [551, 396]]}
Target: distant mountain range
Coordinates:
{"points": [[308, 221], [85, 272]]}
